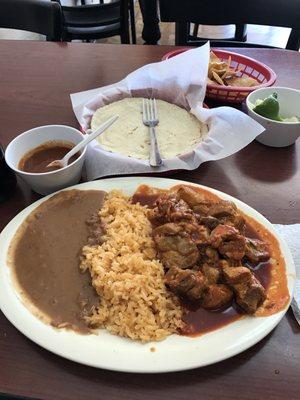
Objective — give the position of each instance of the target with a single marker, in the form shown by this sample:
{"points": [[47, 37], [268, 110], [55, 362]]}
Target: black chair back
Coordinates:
{"points": [[39, 16], [89, 15], [89, 21], [282, 13]]}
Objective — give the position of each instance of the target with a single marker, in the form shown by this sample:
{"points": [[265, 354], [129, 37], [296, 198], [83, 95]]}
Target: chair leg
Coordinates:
{"points": [[195, 30], [132, 21], [181, 33], [240, 33], [125, 39], [294, 40], [124, 33]]}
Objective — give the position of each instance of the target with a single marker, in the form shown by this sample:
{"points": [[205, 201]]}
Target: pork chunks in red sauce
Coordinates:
{"points": [[195, 287], [203, 248], [249, 292]]}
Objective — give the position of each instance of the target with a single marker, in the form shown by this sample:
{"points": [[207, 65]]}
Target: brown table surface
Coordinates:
{"points": [[36, 80]]}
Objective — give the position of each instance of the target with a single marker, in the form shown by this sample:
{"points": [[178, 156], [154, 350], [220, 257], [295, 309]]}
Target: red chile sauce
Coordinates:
{"points": [[198, 320], [36, 160]]}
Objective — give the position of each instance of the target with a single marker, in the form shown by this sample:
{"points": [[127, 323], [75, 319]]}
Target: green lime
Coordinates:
{"points": [[269, 107]]}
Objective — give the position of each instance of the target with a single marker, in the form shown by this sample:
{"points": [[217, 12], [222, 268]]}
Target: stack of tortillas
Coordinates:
{"points": [[178, 131]]}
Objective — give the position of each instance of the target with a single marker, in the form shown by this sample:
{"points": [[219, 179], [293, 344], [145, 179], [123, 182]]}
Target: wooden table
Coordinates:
{"points": [[36, 79]]}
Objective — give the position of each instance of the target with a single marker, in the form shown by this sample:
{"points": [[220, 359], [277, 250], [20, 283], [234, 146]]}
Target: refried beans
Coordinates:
{"points": [[45, 257]]}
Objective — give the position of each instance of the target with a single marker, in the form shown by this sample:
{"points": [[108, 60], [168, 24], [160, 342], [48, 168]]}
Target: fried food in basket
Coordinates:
{"points": [[221, 73]]}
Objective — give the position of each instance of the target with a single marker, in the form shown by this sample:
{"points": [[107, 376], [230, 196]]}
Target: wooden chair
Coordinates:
{"points": [[96, 21], [283, 13], [37, 16]]}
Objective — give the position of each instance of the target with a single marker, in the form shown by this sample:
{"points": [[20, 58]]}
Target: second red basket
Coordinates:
{"points": [[264, 75]]}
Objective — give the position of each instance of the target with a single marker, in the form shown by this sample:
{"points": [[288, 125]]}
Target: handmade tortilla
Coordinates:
{"points": [[178, 130]]}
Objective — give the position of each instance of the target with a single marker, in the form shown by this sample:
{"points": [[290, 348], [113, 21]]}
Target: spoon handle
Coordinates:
{"points": [[90, 137]]}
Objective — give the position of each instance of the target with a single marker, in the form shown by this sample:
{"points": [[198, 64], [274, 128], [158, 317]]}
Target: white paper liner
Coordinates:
{"points": [[182, 81], [291, 234]]}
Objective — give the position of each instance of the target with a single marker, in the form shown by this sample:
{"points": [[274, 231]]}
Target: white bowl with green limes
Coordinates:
{"points": [[277, 109]]}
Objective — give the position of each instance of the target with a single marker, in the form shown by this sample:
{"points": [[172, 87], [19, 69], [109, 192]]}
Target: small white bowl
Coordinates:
{"points": [[47, 182], [277, 134]]}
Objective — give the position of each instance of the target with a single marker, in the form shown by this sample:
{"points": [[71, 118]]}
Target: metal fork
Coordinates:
{"points": [[150, 119]]}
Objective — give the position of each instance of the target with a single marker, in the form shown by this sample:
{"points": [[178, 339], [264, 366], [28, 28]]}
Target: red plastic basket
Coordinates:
{"points": [[236, 94]]}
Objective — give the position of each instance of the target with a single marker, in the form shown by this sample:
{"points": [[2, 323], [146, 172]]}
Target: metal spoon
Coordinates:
{"points": [[64, 161]]}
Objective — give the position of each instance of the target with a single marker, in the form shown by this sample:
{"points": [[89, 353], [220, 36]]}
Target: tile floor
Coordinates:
{"points": [[257, 34]]}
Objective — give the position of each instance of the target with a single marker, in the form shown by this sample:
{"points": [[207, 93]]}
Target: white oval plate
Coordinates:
{"points": [[115, 353]]}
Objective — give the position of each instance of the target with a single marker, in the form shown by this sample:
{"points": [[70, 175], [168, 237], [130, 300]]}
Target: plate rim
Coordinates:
{"points": [[96, 185]]}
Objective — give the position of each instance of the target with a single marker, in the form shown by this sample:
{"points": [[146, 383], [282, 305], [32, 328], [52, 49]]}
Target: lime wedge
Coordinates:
{"points": [[268, 108]]}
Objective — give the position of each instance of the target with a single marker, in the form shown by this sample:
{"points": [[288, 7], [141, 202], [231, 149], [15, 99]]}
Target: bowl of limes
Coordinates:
{"points": [[278, 110]]}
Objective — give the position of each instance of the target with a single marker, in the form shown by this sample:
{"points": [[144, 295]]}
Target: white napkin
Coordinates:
{"points": [[180, 80], [291, 234]]}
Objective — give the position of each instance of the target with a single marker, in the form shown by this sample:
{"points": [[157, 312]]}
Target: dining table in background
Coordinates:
{"points": [[36, 81]]}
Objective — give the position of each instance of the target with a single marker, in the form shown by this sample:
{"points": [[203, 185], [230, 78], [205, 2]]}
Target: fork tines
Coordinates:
{"points": [[150, 112], [150, 119]]}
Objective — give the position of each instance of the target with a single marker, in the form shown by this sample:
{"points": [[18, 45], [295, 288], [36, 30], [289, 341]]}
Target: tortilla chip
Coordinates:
{"points": [[243, 81]]}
